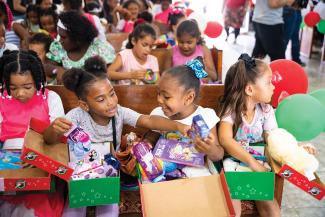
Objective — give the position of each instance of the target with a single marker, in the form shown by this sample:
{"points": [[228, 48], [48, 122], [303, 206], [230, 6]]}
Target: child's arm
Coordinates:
{"points": [[210, 146], [22, 34], [113, 73], [168, 60], [208, 62], [155, 122], [234, 149], [58, 127]]}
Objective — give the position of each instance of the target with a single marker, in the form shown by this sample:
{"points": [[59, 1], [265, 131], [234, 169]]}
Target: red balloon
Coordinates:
{"points": [[312, 18], [289, 78], [188, 12], [213, 29]]}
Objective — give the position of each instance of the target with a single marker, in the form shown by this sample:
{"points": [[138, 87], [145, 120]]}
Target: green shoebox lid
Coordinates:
{"points": [[251, 185], [94, 192]]}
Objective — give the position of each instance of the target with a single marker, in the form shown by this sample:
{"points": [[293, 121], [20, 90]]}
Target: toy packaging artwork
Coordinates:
{"points": [[199, 128], [178, 152], [78, 141], [9, 160]]}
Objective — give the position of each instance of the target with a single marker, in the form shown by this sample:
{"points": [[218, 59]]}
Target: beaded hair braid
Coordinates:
{"points": [[21, 62]]}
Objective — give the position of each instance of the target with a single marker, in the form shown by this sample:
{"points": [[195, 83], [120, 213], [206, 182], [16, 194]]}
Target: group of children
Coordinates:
{"points": [[244, 112]]}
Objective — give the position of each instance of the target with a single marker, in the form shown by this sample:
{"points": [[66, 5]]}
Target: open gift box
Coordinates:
{"points": [[54, 159], [206, 196], [314, 188]]}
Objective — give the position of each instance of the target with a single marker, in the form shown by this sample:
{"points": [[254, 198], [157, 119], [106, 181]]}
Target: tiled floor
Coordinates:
{"points": [[296, 203]]}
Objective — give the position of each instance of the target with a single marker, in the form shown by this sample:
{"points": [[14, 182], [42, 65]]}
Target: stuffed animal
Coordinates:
{"points": [[283, 148]]}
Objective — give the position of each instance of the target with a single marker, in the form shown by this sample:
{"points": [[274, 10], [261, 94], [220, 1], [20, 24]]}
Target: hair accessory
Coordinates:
{"points": [[44, 96], [61, 25], [38, 93], [176, 11], [196, 66], [249, 61], [9, 97]]}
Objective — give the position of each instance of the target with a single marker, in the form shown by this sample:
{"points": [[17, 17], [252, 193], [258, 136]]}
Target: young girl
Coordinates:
{"points": [[131, 65], [162, 17], [22, 82], [99, 114], [7, 18], [3, 44], [178, 90], [189, 46], [131, 12], [32, 19], [175, 17], [48, 22], [246, 117]]}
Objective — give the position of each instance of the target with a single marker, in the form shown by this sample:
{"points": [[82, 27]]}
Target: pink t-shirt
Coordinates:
{"points": [[264, 120], [163, 16], [180, 59], [130, 63]]}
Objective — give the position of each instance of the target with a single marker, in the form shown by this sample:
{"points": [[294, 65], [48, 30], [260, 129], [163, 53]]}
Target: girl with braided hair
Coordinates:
{"points": [[23, 96]]}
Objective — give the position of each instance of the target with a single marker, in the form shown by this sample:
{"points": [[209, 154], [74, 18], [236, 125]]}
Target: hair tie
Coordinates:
{"points": [[196, 66], [61, 25], [176, 11], [249, 61]]}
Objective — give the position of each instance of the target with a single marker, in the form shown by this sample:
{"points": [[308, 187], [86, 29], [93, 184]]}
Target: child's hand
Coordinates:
{"points": [[207, 145], [182, 128], [140, 74], [61, 125], [257, 167]]}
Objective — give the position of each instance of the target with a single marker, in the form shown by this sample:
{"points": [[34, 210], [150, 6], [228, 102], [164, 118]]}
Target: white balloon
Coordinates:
{"points": [[202, 23], [320, 9]]}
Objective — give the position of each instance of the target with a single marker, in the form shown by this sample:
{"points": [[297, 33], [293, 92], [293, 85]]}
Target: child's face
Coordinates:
{"points": [[22, 87], [101, 100], [143, 46], [39, 49], [187, 44], [164, 5], [46, 4], [263, 88], [48, 23], [33, 17], [172, 97], [134, 11]]}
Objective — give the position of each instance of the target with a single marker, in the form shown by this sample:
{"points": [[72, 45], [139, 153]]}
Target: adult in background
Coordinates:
{"points": [[78, 41], [234, 14], [268, 25]]}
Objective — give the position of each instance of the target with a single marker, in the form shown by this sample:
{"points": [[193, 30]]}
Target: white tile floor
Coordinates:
{"points": [[296, 203]]}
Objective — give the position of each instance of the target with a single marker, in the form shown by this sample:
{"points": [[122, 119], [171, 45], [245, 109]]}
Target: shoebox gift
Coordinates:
{"points": [[87, 181]]}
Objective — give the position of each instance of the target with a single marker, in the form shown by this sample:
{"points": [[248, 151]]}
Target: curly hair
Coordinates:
{"points": [[21, 62], [79, 28], [41, 38]]}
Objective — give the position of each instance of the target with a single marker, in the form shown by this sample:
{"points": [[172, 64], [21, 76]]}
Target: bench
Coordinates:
{"points": [[143, 99]]}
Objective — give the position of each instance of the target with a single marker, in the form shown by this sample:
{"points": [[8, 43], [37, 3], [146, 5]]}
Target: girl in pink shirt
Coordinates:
{"points": [[132, 65], [189, 46]]}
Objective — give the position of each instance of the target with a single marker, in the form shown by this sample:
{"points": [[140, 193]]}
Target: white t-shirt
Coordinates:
{"points": [[100, 28], [208, 114], [101, 137]]}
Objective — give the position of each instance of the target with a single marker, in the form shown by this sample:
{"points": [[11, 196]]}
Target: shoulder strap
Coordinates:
{"points": [[114, 133]]}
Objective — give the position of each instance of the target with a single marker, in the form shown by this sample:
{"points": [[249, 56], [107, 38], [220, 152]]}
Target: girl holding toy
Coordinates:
{"points": [[178, 90], [23, 96], [246, 117], [100, 115], [133, 65], [190, 45]]}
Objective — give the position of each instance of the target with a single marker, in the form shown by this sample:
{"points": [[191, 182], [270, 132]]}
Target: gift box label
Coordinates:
{"points": [[301, 181], [93, 192], [251, 185]]}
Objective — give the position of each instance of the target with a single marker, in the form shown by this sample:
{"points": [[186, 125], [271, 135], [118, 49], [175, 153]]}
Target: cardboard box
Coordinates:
{"points": [[251, 185], [29, 179], [315, 188], [54, 159], [206, 196]]}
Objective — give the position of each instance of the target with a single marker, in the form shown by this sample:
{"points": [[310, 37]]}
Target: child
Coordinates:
{"points": [[100, 116], [246, 118], [189, 46], [131, 13], [162, 17], [178, 90], [40, 43], [22, 82], [131, 65], [48, 22], [7, 18], [3, 45], [175, 17], [32, 19]]}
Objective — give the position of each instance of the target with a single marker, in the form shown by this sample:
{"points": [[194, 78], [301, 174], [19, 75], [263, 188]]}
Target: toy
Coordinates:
{"points": [[284, 148], [79, 142], [199, 127], [150, 77]]}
